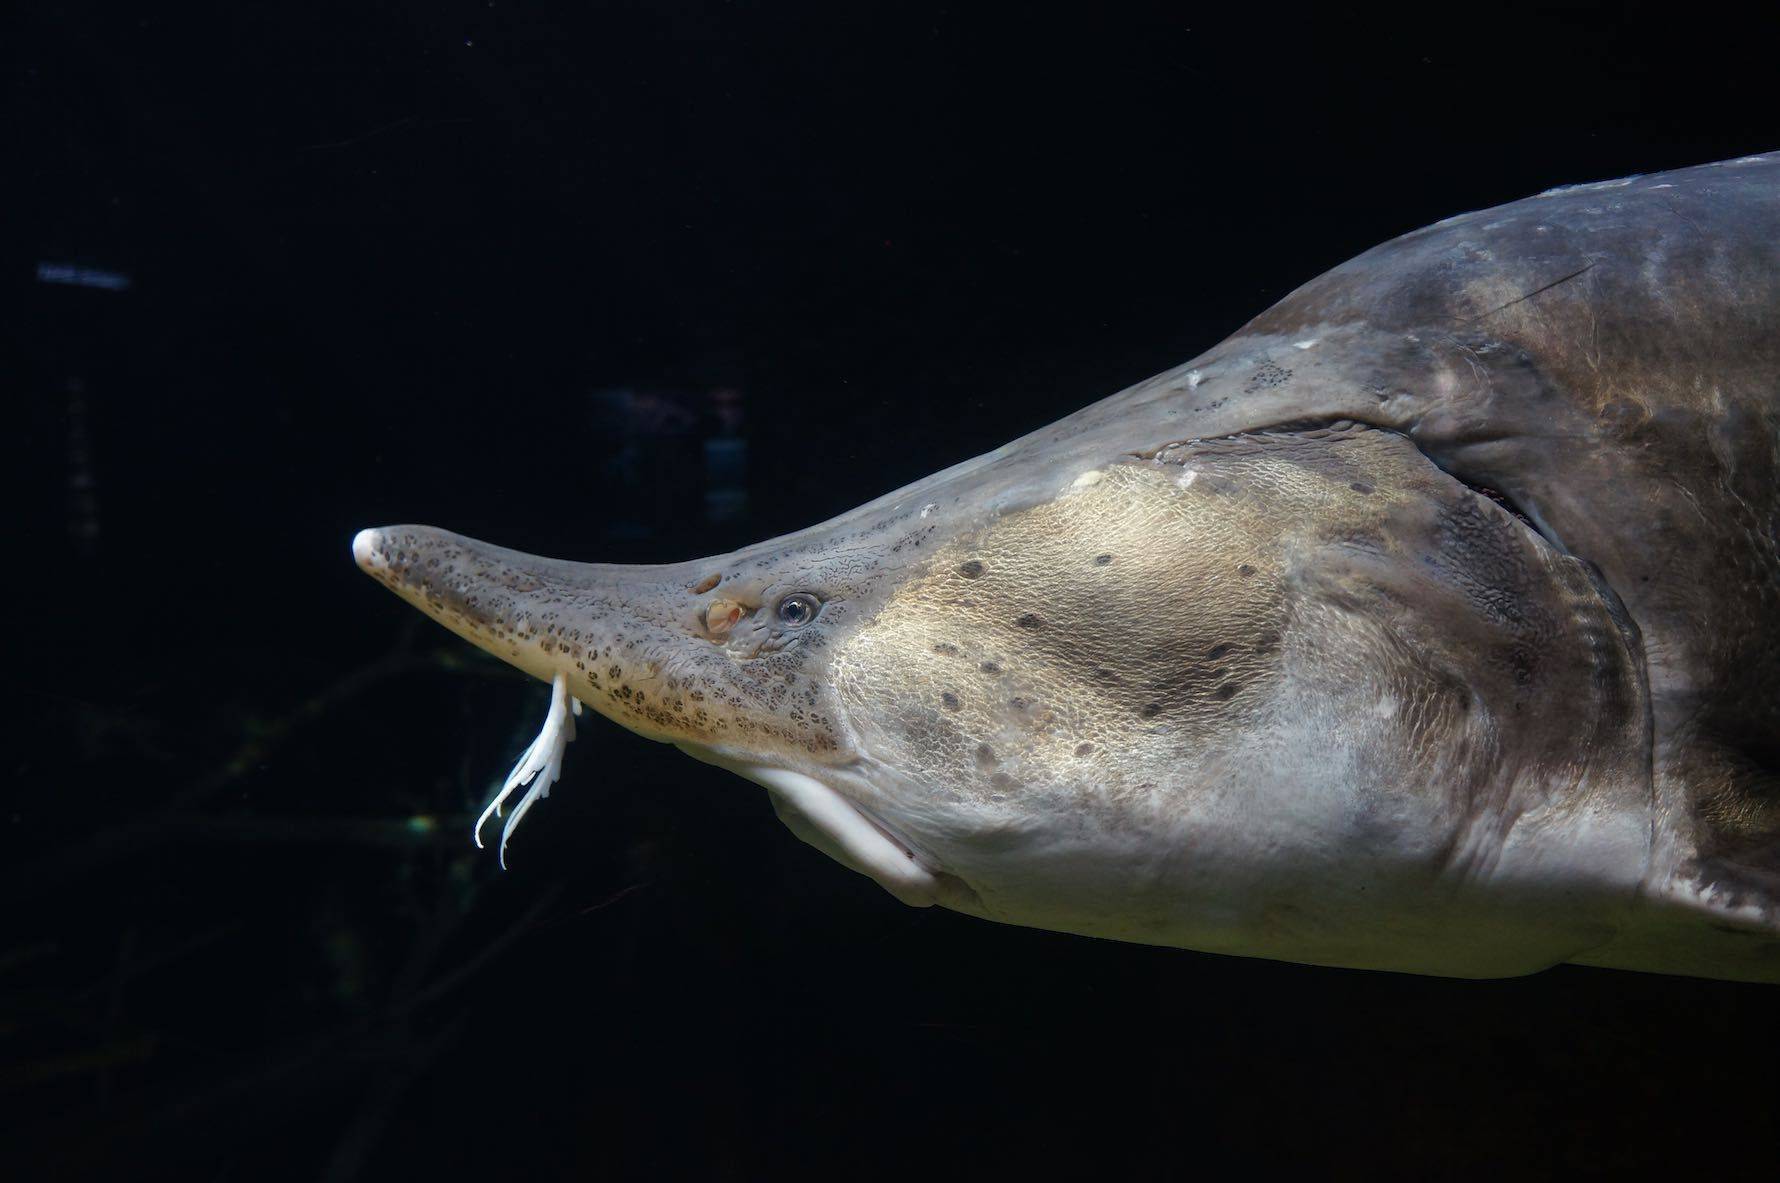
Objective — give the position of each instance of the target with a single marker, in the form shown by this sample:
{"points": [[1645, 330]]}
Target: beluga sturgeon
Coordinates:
{"points": [[1430, 623]]}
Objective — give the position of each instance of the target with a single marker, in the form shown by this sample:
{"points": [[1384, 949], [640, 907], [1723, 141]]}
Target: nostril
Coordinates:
{"points": [[722, 616]]}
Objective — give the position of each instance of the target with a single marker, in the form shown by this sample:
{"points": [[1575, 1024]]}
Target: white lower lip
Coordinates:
{"points": [[855, 837]]}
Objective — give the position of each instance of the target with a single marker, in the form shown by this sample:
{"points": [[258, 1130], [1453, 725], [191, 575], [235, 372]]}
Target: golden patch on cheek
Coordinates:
{"points": [[1072, 642]]}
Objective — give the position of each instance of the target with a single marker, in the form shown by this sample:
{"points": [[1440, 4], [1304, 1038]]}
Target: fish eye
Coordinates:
{"points": [[798, 609]]}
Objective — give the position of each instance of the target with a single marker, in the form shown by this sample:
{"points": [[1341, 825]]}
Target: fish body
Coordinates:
{"points": [[1431, 622]]}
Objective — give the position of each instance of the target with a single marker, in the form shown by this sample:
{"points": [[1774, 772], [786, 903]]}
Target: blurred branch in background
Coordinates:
{"points": [[176, 817], [110, 1040]]}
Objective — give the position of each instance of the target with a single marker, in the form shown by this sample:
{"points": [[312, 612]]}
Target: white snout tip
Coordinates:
{"points": [[364, 548]]}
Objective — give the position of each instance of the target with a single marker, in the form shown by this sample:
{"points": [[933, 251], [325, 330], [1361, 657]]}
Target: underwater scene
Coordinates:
{"points": [[1173, 591]]}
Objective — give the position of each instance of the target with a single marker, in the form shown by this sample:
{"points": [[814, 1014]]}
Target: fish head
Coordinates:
{"points": [[731, 657], [1244, 694]]}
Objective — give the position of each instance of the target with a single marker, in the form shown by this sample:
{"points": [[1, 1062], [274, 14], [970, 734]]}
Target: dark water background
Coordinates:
{"points": [[640, 282]]}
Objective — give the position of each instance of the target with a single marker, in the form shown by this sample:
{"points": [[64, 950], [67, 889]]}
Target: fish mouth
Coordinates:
{"points": [[843, 829]]}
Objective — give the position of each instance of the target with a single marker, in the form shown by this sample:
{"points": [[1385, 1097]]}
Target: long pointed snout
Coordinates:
{"points": [[691, 653], [726, 657], [545, 616]]}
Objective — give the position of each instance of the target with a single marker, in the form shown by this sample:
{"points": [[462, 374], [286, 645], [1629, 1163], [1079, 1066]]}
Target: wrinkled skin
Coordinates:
{"points": [[1426, 624]]}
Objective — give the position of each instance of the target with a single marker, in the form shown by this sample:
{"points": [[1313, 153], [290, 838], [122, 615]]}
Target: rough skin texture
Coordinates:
{"points": [[1430, 622], [1145, 650]]}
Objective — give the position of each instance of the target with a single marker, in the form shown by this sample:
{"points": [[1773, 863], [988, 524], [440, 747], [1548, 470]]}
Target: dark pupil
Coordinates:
{"points": [[794, 611]]}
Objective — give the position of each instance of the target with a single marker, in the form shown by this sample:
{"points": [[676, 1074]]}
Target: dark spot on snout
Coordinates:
{"points": [[1245, 570], [1219, 651], [945, 650], [1151, 710], [986, 758], [1102, 560], [1030, 620], [989, 667], [1083, 749], [1226, 692], [949, 700], [971, 569], [1360, 487]]}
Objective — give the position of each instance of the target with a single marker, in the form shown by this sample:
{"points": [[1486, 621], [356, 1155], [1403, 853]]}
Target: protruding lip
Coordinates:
{"points": [[840, 827]]}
